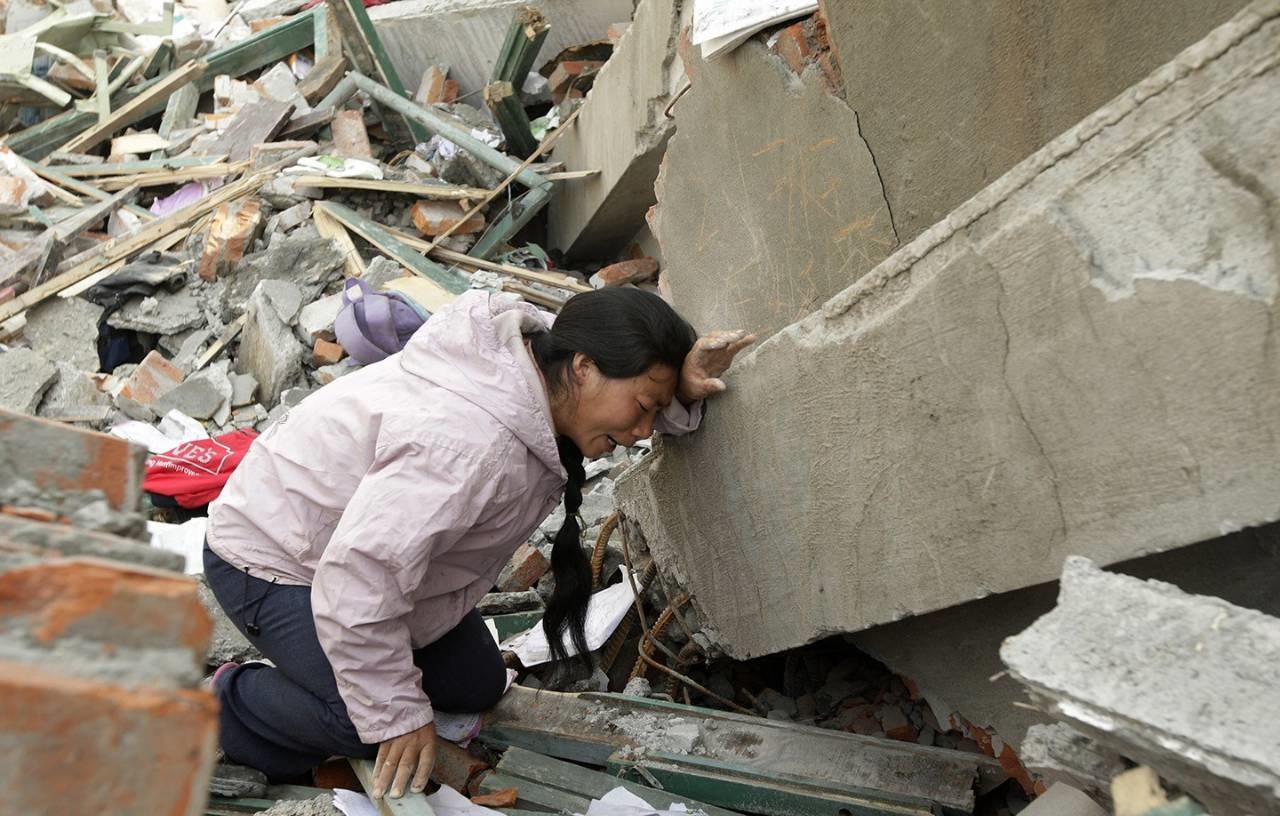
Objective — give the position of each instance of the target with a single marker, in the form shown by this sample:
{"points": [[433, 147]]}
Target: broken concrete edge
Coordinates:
{"points": [[1227, 768], [1224, 38]]}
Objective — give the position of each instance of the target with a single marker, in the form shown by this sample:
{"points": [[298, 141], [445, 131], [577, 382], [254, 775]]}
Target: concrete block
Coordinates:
{"points": [[66, 330], [244, 389], [349, 135], [268, 349], [162, 313], [1063, 800], [25, 376], [23, 541], [625, 272], [75, 394], [435, 87], [769, 199], [153, 378], [435, 217], [301, 257], [951, 96], [468, 36], [621, 132], [526, 567], [1070, 363], [201, 396], [316, 319], [51, 465], [1182, 683], [232, 230]]}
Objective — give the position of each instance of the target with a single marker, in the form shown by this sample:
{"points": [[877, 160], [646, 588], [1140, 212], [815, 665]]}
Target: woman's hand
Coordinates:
{"points": [[710, 357], [411, 755]]}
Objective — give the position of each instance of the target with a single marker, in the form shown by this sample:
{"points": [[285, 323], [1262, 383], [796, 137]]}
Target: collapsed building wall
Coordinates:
{"points": [[1078, 360]]}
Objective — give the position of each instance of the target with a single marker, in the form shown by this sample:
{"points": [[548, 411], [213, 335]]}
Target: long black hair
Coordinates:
{"points": [[623, 331]]}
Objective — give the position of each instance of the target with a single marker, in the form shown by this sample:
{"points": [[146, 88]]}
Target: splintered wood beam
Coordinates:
{"points": [[411, 804], [507, 109], [520, 49], [440, 192], [363, 46], [137, 108], [451, 282]]}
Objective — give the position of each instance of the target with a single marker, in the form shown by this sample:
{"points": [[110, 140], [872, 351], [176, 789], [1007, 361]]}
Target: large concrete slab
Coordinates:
{"points": [[622, 132], [1079, 360], [769, 201], [950, 95], [466, 34], [1184, 683], [952, 655]]}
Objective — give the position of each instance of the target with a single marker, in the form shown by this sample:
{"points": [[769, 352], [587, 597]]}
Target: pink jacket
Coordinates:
{"points": [[398, 492]]}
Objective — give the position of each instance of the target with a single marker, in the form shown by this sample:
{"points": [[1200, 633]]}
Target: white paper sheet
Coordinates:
{"points": [[448, 802], [607, 609], [622, 802], [185, 539], [353, 803], [719, 26]]}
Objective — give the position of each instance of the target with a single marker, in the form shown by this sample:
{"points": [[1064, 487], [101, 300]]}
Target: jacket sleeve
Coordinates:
{"points": [[677, 420], [417, 498]]}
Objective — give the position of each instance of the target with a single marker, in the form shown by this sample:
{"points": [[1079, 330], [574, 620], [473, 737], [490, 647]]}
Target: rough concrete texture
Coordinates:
{"points": [[769, 198], [951, 95], [74, 394], [319, 806], [622, 132], [1058, 753], [1073, 362], [268, 349], [952, 654], [25, 376], [65, 329], [204, 395], [162, 313], [25, 542], [466, 35], [63, 469], [1183, 683], [301, 257]]}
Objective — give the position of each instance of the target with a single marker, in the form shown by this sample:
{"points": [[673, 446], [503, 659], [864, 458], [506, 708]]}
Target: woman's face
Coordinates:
{"points": [[603, 413]]}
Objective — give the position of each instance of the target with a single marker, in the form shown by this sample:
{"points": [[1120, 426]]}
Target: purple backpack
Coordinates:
{"points": [[374, 325]]}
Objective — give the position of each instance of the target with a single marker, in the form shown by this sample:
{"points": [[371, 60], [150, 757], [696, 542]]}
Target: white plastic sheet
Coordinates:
{"points": [[607, 609], [186, 539]]}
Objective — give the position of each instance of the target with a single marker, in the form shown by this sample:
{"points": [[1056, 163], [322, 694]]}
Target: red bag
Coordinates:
{"points": [[194, 472]]}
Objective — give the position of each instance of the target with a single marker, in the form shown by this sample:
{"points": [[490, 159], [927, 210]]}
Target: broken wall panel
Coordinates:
{"points": [[769, 201], [1184, 683], [1076, 361], [468, 36], [622, 132], [951, 95]]}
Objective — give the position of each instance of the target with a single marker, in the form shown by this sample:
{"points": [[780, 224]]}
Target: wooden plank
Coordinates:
{"points": [[435, 191], [253, 125], [451, 282], [763, 792], [264, 48], [228, 334], [172, 177], [411, 804], [55, 175], [102, 85], [534, 795], [81, 221], [590, 728], [137, 108], [365, 50], [532, 275], [508, 111], [141, 166], [126, 245], [179, 112], [329, 227], [135, 143], [525, 36], [566, 776], [307, 124], [323, 77]]}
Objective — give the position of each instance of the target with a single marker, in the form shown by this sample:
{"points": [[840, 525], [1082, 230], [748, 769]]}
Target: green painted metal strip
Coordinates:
{"points": [[535, 796], [374, 233], [520, 212], [752, 792], [515, 623], [575, 779]]}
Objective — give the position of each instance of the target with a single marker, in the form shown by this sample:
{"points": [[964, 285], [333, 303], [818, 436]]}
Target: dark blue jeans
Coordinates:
{"points": [[288, 719]]}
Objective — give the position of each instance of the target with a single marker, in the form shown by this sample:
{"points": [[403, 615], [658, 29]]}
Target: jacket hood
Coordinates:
{"points": [[474, 347]]}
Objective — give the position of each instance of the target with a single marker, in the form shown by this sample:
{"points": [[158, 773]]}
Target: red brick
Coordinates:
{"points": [[505, 798], [793, 46], [526, 567], [570, 72], [62, 458], [456, 767], [436, 217], [93, 599], [151, 380], [349, 135], [431, 90], [12, 189], [624, 272], [450, 93], [326, 353], [231, 231], [336, 773], [91, 747], [896, 725], [831, 75]]}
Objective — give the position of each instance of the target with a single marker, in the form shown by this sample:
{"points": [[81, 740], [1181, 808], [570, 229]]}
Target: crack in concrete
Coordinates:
{"points": [[1013, 397], [884, 192]]}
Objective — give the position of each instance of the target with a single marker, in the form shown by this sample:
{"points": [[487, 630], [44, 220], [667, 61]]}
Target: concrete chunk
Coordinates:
{"points": [[268, 349], [25, 376], [162, 313], [65, 329], [983, 403], [1184, 683]]}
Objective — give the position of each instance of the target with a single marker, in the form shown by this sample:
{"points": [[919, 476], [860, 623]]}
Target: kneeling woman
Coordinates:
{"points": [[355, 539]]}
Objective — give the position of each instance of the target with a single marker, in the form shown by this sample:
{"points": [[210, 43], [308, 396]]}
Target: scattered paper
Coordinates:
{"points": [[448, 802], [622, 802], [173, 430], [338, 167], [186, 539], [462, 728], [719, 26], [353, 803], [607, 609]]}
